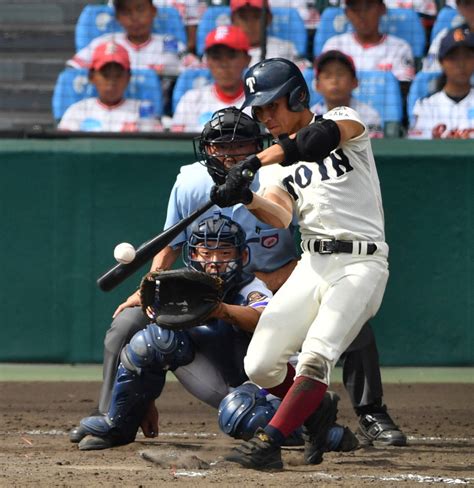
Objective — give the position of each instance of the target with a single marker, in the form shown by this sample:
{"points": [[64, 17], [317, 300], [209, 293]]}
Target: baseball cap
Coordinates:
{"points": [[236, 4], [228, 35], [110, 52], [334, 55], [460, 36]]}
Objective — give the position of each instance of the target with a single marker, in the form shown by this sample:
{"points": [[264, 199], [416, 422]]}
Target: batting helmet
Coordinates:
{"points": [[274, 78], [212, 233], [245, 409], [226, 126]]}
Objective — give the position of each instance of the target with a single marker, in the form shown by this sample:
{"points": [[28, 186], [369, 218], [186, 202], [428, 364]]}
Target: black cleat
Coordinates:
{"points": [[260, 452], [378, 429], [77, 434], [316, 427]]}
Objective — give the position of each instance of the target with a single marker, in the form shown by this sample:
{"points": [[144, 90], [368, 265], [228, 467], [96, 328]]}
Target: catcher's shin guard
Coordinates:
{"points": [[130, 396], [157, 348]]}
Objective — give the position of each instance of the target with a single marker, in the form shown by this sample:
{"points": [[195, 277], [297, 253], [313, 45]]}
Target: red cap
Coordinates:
{"points": [[110, 52], [236, 4], [230, 36]]}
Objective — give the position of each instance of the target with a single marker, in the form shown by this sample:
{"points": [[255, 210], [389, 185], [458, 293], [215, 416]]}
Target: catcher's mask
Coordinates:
{"points": [[217, 233], [226, 127]]}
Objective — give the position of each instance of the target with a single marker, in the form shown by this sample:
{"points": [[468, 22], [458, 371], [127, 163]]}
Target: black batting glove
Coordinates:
{"points": [[246, 169], [228, 195]]}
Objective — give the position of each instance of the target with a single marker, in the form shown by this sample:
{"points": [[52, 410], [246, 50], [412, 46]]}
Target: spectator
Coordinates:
{"points": [[368, 47], [466, 9], [336, 77], [226, 51], [190, 12], [449, 113], [110, 111], [306, 8], [246, 14], [145, 49]]}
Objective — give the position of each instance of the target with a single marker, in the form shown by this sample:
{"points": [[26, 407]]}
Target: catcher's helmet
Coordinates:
{"points": [[212, 233], [274, 78], [226, 126]]}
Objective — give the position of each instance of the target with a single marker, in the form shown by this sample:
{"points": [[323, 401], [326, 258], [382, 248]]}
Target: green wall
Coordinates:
{"points": [[65, 204]]}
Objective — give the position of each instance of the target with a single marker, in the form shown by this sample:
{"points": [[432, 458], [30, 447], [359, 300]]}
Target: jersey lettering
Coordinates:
{"points": [[303, 174]]}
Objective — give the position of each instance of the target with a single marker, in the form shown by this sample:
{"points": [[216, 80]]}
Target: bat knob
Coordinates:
{"points": [[248, 174]]}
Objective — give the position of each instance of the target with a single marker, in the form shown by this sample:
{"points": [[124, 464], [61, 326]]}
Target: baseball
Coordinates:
{"points": [[124, 253]]}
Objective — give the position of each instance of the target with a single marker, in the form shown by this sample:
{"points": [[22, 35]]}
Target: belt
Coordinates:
{"points": [[330, 246]]}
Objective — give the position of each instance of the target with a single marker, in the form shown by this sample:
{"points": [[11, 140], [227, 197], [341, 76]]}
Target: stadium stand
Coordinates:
{"points": [[96, 20], [191, 78], [73, 85], [286, 24], [399, 22], [35, 42], [447, 18]]}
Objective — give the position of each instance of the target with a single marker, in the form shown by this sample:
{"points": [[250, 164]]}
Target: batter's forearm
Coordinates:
{"points": [[269, 212], [245, 318]]}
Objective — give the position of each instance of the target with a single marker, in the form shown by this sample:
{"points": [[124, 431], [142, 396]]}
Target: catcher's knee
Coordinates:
{"points": [[245, 409], [158, 348], [314, 366]]}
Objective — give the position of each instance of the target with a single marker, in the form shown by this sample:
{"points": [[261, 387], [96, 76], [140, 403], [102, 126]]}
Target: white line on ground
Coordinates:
{"points": [[399, 477]]}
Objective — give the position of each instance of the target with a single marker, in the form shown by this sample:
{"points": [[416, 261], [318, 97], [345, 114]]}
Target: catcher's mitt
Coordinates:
{"points": [[181, 298]]}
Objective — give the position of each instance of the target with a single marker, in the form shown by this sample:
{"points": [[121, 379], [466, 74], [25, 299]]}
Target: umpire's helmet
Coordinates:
{"points": [[226, 126], [211, 233], [274, 78]]}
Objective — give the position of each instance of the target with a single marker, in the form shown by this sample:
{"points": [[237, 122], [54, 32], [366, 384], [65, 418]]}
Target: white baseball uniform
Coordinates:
{"points": [[160, 53], [440, 117], [278, 48], [90, 115], [390, 54], [328, 297], [368, 115], [197, 105]]}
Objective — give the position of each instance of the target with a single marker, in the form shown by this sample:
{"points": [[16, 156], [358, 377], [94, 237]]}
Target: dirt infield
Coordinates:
{"points": [[35, 450]]}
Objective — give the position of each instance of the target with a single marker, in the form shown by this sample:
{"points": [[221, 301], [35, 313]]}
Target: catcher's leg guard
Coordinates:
{"points": [[130, 396], [157, 348]]}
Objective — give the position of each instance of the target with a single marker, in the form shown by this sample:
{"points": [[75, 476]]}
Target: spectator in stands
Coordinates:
{"points": [[466, 9], [306, 8], [449, 113], [190, 11], [368, 47], [336, 78], [110, 111], [246, 14], [146, 49], [226, 51]]}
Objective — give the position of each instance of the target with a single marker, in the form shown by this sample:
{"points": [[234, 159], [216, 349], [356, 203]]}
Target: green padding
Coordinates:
{"points": [[67, 203]]}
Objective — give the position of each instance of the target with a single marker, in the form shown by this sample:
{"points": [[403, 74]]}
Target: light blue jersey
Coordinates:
{"points": [[270, 248]]}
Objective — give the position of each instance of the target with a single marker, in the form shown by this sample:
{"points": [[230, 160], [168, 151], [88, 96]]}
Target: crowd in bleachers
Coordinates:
{"points": [[166, 65]]}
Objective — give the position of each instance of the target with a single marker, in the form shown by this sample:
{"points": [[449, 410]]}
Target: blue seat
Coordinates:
{"points": [[400, 22], [424, 85], [287, 24], [447, 18], [379, 89], [73, 85], [97, 20], [188, 79]]}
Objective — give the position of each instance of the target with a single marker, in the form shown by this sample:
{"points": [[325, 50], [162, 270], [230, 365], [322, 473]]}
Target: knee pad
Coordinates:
{"points": [[157, 348], [245, 409], [314, 366]]}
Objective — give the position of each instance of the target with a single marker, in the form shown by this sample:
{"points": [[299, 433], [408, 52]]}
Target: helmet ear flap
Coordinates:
{"points": [[297, 99]]}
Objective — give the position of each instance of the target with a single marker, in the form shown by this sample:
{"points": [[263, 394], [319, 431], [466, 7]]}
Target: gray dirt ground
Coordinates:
{"points": [[35, 450]]}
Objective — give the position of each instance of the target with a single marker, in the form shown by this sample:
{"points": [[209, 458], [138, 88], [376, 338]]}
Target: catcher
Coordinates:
{"points": [[210, 310]]}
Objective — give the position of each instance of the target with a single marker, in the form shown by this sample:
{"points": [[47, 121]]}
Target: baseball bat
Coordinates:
{"points": [[120, 272]]}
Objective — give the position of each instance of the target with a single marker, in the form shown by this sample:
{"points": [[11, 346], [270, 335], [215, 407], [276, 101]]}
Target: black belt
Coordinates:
{"points": [[329, 246]]}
